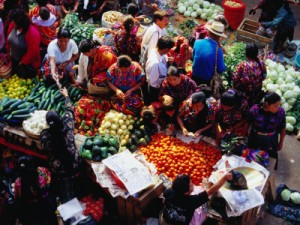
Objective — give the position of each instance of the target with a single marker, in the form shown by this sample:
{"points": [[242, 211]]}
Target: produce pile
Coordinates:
{"points": [[199, 8], [36, 123], [283, 81], [172, 157], [89, 113], [79, 31], [290, 196], [16, 87], [187, 26], [100, 147], [235, 54]]}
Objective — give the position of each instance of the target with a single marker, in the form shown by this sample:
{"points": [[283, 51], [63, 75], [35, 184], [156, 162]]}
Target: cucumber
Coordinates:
{"points": [[23, 105], [32, 109], [21, 116], [41, 104], [20, 111], [9, 102], [16, 104], [59, 106], [49, 106], [48, 92], [9, 117], [4, 100], [43, 89], [5, 112], [52, 86], [72, 92], [45, 106]]}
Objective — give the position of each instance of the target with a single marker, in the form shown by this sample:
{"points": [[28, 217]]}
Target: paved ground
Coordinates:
{"points": [[289, 157]]}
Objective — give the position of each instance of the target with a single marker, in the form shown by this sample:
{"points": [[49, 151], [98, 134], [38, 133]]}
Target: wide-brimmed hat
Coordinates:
{"points": [[217, 28]]}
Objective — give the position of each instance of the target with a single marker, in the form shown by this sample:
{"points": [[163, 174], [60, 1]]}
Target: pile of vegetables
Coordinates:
{"points": [[89, 113], [187, 26], [199, 8], [235, 54], [172, 157], [100, 147], [233, 144], [117, 123], [290, 197], [16, 87], [79, 31], [36, 123], [283, 81]]}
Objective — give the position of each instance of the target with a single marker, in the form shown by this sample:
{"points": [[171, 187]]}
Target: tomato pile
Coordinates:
{"points": [[172, 157], [89, 113]]}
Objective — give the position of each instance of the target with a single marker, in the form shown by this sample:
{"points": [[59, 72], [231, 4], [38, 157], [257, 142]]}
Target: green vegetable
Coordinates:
{"points": [[104, 152], [295, 197], [88, 143], [87, 154], [113, 142], [285, 195], [97, 141]]}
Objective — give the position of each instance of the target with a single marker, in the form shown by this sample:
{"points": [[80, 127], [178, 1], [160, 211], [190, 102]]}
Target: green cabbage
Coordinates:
{"points": [[289, 127], [285, 195], [295, 196], [291, 120]]}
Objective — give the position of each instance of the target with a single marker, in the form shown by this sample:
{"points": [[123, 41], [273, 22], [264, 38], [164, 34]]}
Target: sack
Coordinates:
{"points": [[216, 85]]}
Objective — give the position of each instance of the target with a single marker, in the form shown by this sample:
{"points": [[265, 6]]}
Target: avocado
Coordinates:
{"points": [[134, 139], [97, 141], [133, 148], [104, 152], [147, 138], [113, 142], [88, 143], [138, 133], [112, 150], [142, 142]]}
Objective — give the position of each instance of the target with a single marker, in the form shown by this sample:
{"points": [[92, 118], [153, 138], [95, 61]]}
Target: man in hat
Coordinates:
{"points": [[207, 55]]}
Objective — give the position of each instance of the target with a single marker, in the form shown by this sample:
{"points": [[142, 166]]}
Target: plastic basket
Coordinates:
{"points": [[234, 15]]}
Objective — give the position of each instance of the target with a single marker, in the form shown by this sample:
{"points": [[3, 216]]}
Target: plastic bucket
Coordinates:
{"points": [[234, 15], [297, 60]]}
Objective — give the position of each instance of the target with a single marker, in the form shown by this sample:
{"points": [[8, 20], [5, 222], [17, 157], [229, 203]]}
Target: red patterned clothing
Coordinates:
{"points": [[181, 51], [248, 78], [181, 92], [104, 59], [36, 11], [229, 118], [126, 79], [127, 45]]}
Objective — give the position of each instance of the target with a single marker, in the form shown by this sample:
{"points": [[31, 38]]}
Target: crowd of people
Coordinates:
{"points": [[147, 74]]}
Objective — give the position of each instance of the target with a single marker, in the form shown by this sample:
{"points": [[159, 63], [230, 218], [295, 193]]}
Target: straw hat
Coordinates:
{"points": [[217, 28]]}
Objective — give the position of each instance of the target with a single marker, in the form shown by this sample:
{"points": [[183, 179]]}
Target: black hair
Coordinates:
{"points": [[181, 184], [87, 44], [63, 33], [159, 15], [205, 89], [42, 2], [229, 98], [21, 19], [44, 13], [198, 97], [29, 177], [124, 61], [128, 23], [252, 53], [272, 98], [132, 9], [165, 42], [173, 71]]}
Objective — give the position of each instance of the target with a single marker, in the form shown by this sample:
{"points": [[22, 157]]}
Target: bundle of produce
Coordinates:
{"points": [[89, 113], [172, 157], [70, 21], [50, 98], [81, 32], [100, 147], [16, 87], [284, 82], [36, 123], [199, 8], [187, 27], [117, 123], [233, 144], [139, 136], [15, 110], [235, 54]]}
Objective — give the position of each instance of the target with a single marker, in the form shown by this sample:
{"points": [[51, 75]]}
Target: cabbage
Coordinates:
{"points": [[280, 94], [199, 11], [203, 16], [194, 14], [272, 87], [283, 88], [285, 106], [206, 4], [273, 75], [289, 94], [186, 4], [190, 9], [280, 68], [209, 12], [200, 2], [291, 101], [296, 90], [191, 2], [291, 120], [196, 6], [280, 81], [272, 65], [182, 9], [285, 195], [187, 13], [295, 196], [289, 127]]}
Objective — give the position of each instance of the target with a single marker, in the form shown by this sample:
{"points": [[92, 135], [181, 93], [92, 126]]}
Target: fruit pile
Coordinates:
{"points": [[15, 87], [172, 157]]}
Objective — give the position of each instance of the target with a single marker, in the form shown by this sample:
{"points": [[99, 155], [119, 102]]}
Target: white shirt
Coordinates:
{"points": [[156, 68], [153, 33], [61, 57], [82, 68], [44, 23]]}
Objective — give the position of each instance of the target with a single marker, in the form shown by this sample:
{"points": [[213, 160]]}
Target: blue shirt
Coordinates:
{"points": [[283, 18], [204, 59]]}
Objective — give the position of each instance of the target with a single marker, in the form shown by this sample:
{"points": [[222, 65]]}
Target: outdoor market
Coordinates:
{"points": [[149, 112]]}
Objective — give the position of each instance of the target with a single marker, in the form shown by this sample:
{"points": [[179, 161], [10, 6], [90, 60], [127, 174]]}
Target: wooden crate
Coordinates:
{"points": [[247, 32], [130, 209]]}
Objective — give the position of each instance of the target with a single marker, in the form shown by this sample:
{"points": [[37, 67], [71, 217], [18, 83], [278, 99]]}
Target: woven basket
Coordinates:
{"points": [[95, 90], [107, 24]]}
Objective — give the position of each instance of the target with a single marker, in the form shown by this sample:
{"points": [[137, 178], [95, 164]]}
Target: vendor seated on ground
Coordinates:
{"points": [[178, 86], [68, 6], [100, 58], [192, 117], [148, 7], [179, 205], [231, 115], [125, 78], [59, 60]]}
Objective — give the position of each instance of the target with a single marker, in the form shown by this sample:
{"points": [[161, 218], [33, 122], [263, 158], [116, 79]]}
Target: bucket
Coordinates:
{"points": [[234, 14], [297, 60]]}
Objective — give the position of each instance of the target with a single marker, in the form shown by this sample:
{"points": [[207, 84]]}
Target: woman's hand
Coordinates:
{"points": [[185, 131], [64, 91], [197, 134], [128, 93], [228, 176], [120, 94]]}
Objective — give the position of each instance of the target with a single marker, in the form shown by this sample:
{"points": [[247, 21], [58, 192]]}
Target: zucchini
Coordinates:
{"points": [[21, 116], [51, 99], [4, 100], [48, 92], [23, 105], [59, 106], [43, 89], [5, 112], [16, 104], [41, 104], [32, 109], [9, 117], [45, 106], [9, 102], [72, 92], [20, 111]]}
